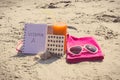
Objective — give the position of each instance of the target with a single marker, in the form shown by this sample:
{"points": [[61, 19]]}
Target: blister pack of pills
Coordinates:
{"points": [[55, 44]]}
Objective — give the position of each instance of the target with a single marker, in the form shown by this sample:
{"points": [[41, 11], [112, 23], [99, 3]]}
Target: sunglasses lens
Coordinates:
{"points": [[91, 48], [76, 50]]}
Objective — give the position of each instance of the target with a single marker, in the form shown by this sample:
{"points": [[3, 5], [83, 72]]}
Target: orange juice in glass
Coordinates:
{"points": [[60, 28]]}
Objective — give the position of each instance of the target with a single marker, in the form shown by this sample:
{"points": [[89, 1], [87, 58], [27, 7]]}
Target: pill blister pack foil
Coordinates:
{"points": [[55, 44]]}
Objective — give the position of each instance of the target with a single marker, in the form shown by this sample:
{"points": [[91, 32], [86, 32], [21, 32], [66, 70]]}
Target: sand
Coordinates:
{"points": [[97, 18]]}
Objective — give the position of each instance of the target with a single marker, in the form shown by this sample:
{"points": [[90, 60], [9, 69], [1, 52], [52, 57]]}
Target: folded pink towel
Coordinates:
{"points": [[83, 49]]}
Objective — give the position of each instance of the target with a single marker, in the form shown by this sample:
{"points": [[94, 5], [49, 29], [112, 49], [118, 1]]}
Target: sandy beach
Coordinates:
{"points": [[97, 18]]}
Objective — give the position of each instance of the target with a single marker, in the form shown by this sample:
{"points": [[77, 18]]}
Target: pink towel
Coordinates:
{"points": [[84, 55]]}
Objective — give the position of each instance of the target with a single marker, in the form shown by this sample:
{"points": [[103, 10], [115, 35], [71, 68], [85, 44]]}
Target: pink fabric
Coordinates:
{"points": [[85, 55]]}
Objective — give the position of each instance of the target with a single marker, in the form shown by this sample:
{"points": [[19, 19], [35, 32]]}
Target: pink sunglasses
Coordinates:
{"points": [[75, 50]]}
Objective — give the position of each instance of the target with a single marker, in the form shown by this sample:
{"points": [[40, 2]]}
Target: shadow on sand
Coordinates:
{"points": [[47, 61]]}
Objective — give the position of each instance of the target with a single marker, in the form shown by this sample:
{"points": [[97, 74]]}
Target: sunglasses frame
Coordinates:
{"points": [[83, 47]]}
